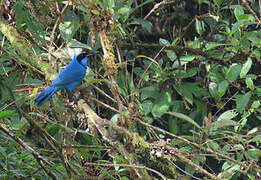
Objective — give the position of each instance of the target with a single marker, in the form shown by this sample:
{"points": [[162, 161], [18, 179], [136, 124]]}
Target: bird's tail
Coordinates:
{"points": [[46, 94]]}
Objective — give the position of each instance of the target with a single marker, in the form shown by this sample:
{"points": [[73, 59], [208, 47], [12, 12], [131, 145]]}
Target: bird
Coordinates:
{"points": [[68, 78]]}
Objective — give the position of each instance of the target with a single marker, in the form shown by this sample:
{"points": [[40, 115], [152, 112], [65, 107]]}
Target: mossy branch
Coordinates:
{"points": [[103, 24], [24, 48], [137, 148]]}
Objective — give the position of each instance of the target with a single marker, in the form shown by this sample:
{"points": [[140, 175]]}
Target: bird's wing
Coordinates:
{"points": [[71, 73]]}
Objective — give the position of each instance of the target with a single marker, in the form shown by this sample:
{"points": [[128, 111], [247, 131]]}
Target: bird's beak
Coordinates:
{"points": [[87, 54]]}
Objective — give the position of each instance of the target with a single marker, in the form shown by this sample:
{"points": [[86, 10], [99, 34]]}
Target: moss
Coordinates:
{"points": [[25, 50]]}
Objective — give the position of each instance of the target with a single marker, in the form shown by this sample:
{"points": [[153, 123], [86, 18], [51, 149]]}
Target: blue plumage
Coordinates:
{"points": [[68, 78]]}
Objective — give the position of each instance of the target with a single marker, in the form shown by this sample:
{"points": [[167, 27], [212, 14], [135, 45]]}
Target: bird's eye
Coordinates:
{"points": [[81, 56]]}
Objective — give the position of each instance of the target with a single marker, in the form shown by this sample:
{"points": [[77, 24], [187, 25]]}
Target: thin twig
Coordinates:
{"points": [[245, 3], [185, 172], [86, 147], [103, 104], [225, 104], [128, 165], [180, 156], [156, 6], [54, 29], [144, 72], [36, 155], [216, 18], [192, 143], [103, 93], [50, 141]]}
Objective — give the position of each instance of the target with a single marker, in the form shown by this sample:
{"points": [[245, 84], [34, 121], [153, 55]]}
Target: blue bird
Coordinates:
{"points": [[68, 78]]}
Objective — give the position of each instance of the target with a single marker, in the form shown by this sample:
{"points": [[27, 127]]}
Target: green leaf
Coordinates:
{"points": [[164, 42], [183, 60], [94, 11], [250, 83], [26, 19], [124, 13], [242, 101], [8, 114], [171, 55], [144, 23], [238, 11], [31, 81], [73, 43], [186, 91], [161, 105], [178, 106], [222, 87], [3, 152], [238, 147], [254, 40], [124, 10], [110, 4], [227, 115], [253, 154], [194, 88], [173, 125], [258, 90], [218, 2], [212, 45], [190, 73], [114, 118], [256, 139], [53, 129], [66, 30], [187, 58], [9, 83], [184, 117], [122, 85], [131, 85], [216, 75], [124, 178], [255, 104], [70, 16], [252, 131], [245, 44], [147, 106], [174, 41], [200, 26], [248, 17], [233, 72], [246, 67], [257, 53], [213, 90], [223, 123], [213, 145], [4, 70], [230, 169], [235, 29], [149, 92], [188, 96]]}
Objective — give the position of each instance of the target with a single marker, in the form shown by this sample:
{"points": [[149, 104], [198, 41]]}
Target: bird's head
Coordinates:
{"points": [[82, 58]]}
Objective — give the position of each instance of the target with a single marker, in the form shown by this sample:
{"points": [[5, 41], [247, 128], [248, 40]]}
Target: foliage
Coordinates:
{"points": [[187, 96]]}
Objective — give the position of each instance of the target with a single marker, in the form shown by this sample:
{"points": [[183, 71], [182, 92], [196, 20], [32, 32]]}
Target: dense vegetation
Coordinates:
{"points": [[173, 90]]}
